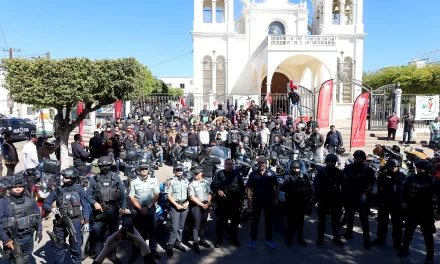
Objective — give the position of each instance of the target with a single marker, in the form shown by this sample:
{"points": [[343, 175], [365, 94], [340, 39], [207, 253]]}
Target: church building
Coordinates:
{"points": [[272, 42]]}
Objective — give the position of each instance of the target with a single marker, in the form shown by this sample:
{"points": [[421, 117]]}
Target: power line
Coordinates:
{"points": [[4, 38], [175, 58]]}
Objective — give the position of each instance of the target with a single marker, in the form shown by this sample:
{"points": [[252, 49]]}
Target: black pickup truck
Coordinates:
{"points": [[17, 127]]}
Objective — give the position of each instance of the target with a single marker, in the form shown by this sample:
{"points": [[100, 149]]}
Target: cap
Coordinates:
{"points": [[289, 126]]}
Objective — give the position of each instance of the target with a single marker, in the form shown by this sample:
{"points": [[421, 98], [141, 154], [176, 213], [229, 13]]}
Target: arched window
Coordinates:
{"points": [[347, 90], [220, 15], [276, 28], [207, 74], [207, 15], [221, 76]]}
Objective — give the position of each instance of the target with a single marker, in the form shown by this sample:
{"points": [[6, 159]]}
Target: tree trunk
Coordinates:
{"points": [[64, 147]]}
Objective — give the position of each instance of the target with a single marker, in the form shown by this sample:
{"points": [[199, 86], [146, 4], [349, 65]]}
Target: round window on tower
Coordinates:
{"points": [[276, 28]]}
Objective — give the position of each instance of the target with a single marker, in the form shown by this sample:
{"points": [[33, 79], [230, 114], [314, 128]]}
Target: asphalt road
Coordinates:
{"points": [[352, 252]]}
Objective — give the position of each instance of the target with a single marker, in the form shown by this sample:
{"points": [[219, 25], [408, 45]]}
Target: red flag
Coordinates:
{"points": [[81, 125], [118, 109], [269, 98], [358, 120], [182, 102], [324, 101], [293, 85]]}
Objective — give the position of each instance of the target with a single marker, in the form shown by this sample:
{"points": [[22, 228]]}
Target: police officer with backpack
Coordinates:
{"points": [[106, 193], [74, 202], [20, 217], [330, 188]]}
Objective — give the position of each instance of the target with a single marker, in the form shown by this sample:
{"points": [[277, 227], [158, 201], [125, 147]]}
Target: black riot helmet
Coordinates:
{"points": [[32, 175], [104, 161], [331, 158], [143, 165], [17, 181], [393, 163], [295, 164], [360, 154], [424, 165], [70, 173], [130, 156]]}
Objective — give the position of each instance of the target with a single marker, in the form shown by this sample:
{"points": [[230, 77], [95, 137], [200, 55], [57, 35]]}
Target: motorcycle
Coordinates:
{"points": [[42, 189], [412, 156]]}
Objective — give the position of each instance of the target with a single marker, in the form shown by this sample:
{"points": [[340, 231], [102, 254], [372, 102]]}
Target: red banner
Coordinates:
{"points": [[81, 125], [118, 109], [324, 102], [358, 120]]}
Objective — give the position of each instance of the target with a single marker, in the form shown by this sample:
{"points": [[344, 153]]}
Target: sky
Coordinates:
{"points": [[157, 31]]}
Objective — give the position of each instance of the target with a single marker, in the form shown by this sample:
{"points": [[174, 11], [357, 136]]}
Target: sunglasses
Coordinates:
{"points": [[143, 169], [179, 169]]}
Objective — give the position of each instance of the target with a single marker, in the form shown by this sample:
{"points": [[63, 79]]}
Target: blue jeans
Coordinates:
{"points": [[405, 132], [161, 158], [195, 149], [248, 160], [292, 107]]}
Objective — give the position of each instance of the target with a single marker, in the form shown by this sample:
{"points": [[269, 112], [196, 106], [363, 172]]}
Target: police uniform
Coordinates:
{"points": [[106, 188], [20, 217], [177, 187], [144, 190], [200, 190], [228, 208], [74, 201]]}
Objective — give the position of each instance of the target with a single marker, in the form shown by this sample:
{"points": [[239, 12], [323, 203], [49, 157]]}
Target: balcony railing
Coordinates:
{"points": [[309, 40]]}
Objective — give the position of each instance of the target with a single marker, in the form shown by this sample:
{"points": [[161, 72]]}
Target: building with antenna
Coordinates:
{"points": [[272, 42]]}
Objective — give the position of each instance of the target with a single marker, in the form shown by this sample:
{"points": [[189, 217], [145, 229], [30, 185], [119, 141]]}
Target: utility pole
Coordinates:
{"points": [[10, 102]]}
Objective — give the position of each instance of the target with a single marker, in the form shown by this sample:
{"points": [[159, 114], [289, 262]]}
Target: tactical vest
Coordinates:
{"points": [[230, 186], [334, 185], [184, 138], [71, 201], [109, 192], [420, 191], [23, 218], [235, 137]]}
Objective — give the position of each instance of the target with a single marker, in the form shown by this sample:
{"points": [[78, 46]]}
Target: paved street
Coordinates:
{"points": [[329, 253]]}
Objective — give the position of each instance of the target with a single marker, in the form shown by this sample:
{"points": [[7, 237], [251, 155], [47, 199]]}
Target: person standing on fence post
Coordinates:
{"points": [[408, 127], [393, 124]]}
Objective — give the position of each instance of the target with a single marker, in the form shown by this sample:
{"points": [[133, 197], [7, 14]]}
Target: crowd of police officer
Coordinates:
{"points": [[337, 193]]}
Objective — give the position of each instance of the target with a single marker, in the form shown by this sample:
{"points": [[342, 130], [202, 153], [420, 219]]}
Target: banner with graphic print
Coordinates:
{"points": [[118, 109], [245, 100], [324, 102], [427, 107], [358, 120]]}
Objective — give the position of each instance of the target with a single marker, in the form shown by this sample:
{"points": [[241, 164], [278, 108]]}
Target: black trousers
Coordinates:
{"points": [[227, 209], [384, 211], [200, 217], [363, 211], [426, 222], [335, 212], [295, 222], [10, 169], [392, 133], [258, 207], [82, 168]]}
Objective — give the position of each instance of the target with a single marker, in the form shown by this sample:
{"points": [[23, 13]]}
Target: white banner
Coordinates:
{"points": [[427, 107], [245, 100]]}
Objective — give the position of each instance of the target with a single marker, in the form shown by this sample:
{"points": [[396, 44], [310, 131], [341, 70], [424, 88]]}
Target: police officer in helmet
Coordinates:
{"points": [[144, 193], [20, 217], [298, 193], [361, 186], [389, 183], [74, 201], [32, 177], [330, 187], [420, 193], [107, 195]]}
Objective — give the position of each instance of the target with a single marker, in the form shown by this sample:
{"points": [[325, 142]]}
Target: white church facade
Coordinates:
{"points": [[274, 41]]}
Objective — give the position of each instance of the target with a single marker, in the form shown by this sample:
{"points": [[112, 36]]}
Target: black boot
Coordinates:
{"points": [[169, 251], [196, 248]]}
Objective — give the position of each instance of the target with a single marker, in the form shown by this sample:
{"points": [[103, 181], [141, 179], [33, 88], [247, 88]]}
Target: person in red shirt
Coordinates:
{"points": [[393, 124]]}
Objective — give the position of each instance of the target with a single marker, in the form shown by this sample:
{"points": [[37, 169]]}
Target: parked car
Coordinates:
{"points": [[29, 121], [18, 128]]}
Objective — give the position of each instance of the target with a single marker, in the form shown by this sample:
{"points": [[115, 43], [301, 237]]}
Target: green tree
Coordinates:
{"points": [[413, 79], [175, 92], [61, 84], [161, 87]]}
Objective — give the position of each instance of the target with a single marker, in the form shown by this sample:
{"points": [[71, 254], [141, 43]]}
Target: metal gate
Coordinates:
{"points": [[382, 101], [282, 102]]}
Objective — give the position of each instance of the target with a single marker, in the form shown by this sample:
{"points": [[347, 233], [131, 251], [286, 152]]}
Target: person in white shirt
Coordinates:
{"points": [[30, 155], [223, 132], [204, 136], [265, 133]]}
